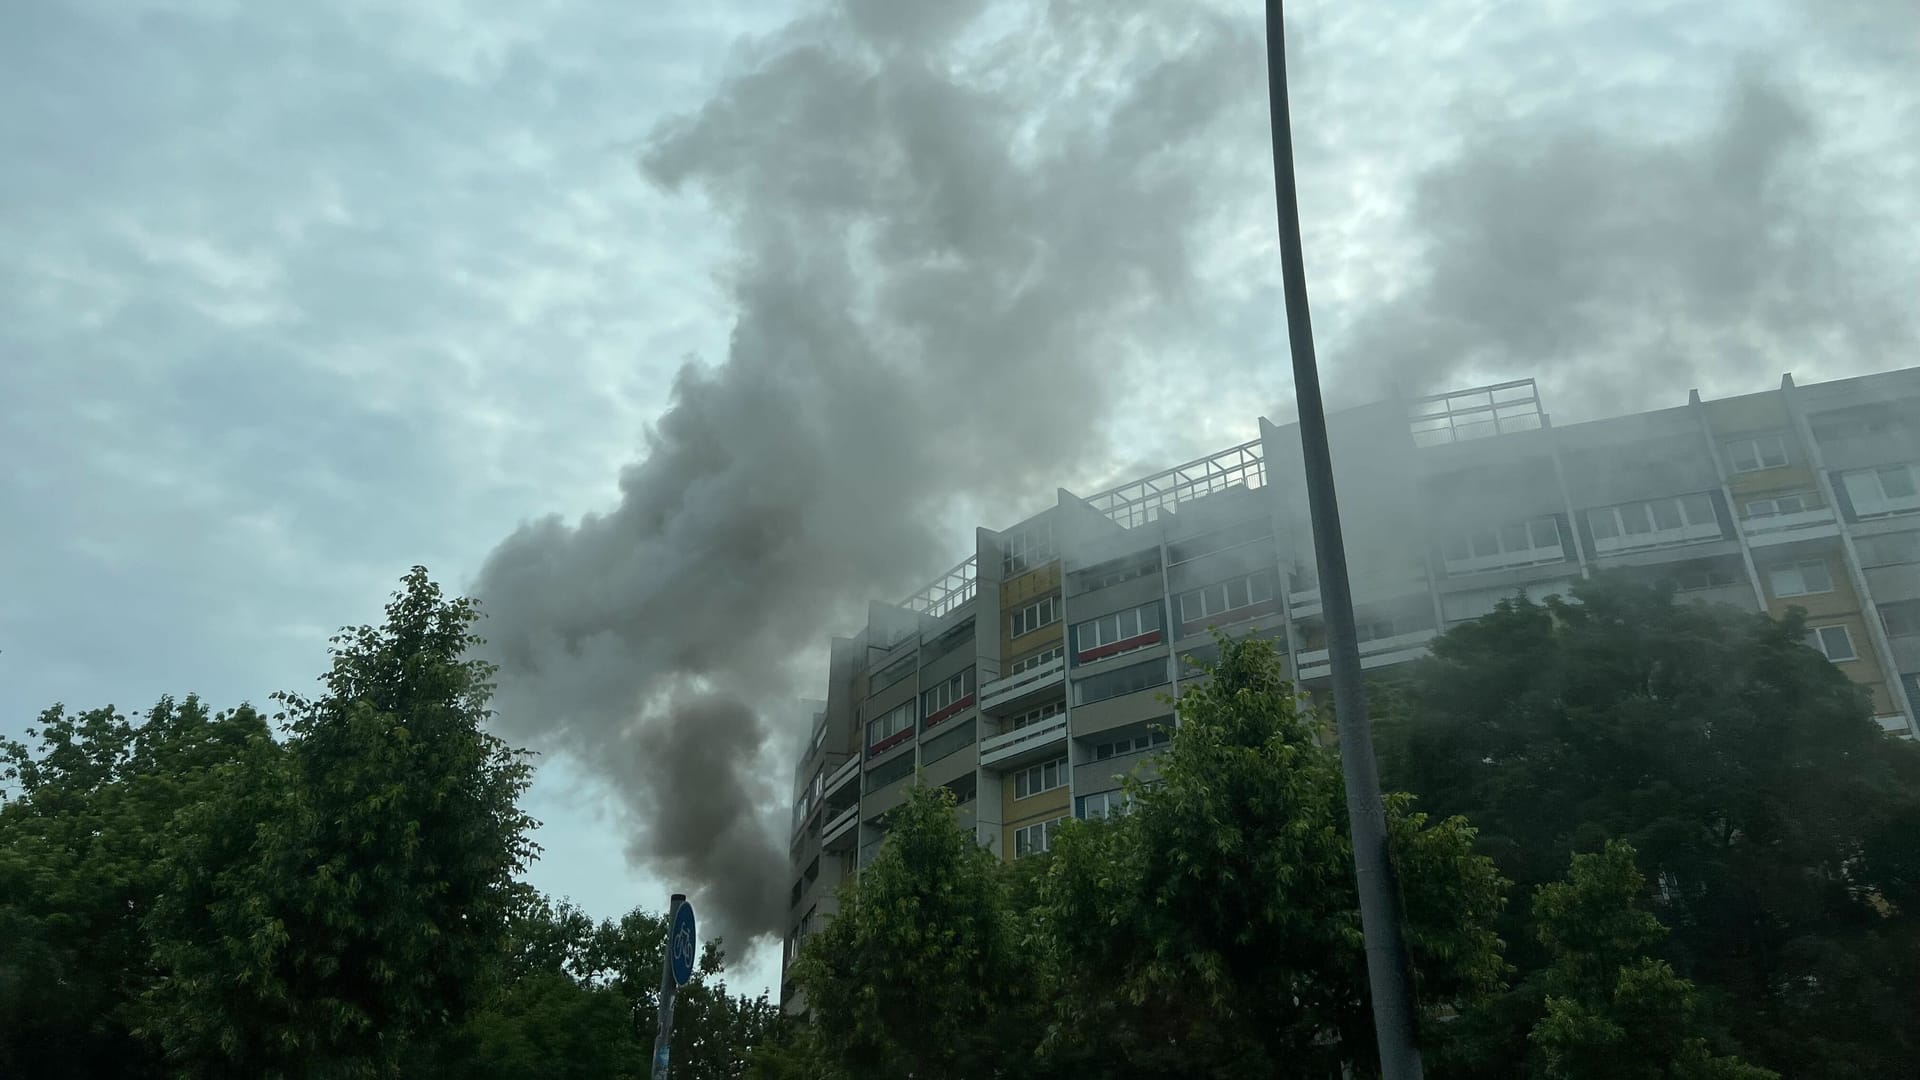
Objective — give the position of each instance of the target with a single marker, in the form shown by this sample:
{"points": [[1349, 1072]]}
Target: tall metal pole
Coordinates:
{"points": [[663, 1039], [1388, 974]]}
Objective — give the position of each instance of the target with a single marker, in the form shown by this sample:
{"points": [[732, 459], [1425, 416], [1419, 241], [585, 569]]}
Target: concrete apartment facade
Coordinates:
{"points": [[1034, 674]]}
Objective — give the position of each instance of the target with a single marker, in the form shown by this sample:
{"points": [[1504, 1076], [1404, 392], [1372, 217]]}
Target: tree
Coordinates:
{"points": [[1213, 930], [358, 900], [1612, 1011], [577, 1000], [921, 974], [1775, 820], [90, 813]]}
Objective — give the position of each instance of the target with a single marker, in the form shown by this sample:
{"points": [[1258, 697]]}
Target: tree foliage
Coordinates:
{"points": [[1777, 823], [188, 895], [1214, 928], [921, 973], [92, 810], [1613, 1012]]}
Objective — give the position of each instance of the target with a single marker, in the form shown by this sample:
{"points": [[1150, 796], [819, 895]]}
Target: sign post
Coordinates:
{"points": [[683, 952]]}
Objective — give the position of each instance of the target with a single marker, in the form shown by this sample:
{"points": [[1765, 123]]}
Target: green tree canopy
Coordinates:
{"points": [[1776, 821], [91, 811], [921, 973], [1612, 1011], [1213, 930]]}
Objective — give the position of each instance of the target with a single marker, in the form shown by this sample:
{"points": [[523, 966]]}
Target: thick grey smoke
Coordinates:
{"points": [[958, 227], [1604, 261]]}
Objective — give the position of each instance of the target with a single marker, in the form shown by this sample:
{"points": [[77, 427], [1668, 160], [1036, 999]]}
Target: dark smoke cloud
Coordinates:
{"points": [[1617, 267], [958, 227]]}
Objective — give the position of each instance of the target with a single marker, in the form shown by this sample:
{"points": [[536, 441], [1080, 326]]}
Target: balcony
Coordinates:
{"points": [[1014, 689], [848, 771], [1786, 528], [1020, 745], [1380, 652], [841, 828], [1305, 602]]}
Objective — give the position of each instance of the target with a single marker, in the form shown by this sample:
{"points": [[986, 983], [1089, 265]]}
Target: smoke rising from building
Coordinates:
{"points": [[1623, 268], [943, 213]]}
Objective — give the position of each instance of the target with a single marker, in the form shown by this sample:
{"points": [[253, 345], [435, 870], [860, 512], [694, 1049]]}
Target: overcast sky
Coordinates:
{"points": [[294, 296]]}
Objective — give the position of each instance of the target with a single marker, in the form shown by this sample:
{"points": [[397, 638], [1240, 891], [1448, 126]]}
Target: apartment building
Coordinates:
{"points": [[1033, 675]]}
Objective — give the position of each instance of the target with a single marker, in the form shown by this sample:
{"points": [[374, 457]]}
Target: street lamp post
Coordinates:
{"points": [[1388, 974]]}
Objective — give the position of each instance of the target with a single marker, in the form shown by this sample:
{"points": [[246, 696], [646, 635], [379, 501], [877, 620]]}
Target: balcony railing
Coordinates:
{"points": [[1009, 744], [1376, 653], [842, 776], [841, 824], [1779, 528], [1000, 691]]}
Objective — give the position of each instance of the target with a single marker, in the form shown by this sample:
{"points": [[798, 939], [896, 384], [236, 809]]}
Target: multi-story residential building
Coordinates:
{"points": [[1035, 673]]}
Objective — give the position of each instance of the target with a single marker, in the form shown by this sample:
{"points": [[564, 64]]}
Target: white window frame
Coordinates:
{"points": [[894, 721], [1035, 715], [1817, 640], [947, 693], [1037, 838], [1223, 598], [1757, 447], [1033, 780], [1870, 501], [1644, 513], [1895, 614], [1038, 615], [1107, 803], [1461, 551], [1039, 659], [1797, 502], [1125, 626], [1794, 575], [1133, 744], [1079, 685], [1028, 548]]}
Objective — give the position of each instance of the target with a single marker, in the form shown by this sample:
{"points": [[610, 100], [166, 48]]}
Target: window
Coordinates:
{"points": [[1042, 777], [1035, 838], [893, 673], [889, 772], [1366, 630], [1518, 543], [1122, 631], [1105, 804], [1033, 716], [1801, 579], [1912, 683], [1028, 548], [948, 698], [1043, 612], [889, 729], [1832, 642], [947, 742], [1883, 490], [1034, 660], [1241, 595], [1752, 455], [1661, 521], [1901, 618], [1116, 571], [1779, 504], [1890, 549], [1133, 745], [1232, 536], [1112, 684], [1704, 576]]}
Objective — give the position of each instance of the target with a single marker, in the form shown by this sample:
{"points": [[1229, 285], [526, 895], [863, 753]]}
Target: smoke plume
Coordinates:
{"points": [[1619, 266], [958, 227]]}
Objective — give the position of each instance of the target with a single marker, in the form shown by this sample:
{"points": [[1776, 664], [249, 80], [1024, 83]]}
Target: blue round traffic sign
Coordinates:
{"points": [[683, 944]]}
